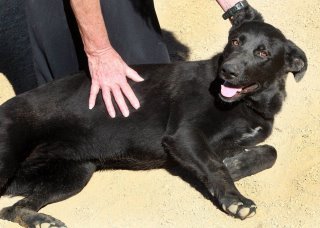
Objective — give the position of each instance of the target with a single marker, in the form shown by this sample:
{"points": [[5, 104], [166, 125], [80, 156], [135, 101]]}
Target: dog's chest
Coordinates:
{"points": [[239, 130], [250, 133]]}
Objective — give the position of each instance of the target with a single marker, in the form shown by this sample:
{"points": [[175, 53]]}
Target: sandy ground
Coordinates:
{"points": [[287, 195]]}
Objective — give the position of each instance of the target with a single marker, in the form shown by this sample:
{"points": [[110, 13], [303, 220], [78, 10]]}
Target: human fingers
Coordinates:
{"points": [[132, 74], [117, 94], [106, 94], [128, 92], [93, 94]]}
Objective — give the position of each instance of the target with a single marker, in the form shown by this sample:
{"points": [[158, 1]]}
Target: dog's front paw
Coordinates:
{"points": [[240, 208]]}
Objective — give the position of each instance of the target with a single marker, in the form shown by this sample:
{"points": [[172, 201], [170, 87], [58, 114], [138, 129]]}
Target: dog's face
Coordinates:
{"points": [[255, 56]]}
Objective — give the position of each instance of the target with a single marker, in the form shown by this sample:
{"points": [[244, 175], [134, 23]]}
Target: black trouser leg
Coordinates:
{"points": [[15, 47], [132, 26], [54, 54], [134, 31]]}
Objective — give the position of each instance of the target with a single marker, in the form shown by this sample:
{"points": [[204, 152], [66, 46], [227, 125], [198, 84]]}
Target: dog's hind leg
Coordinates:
{"points": [[43, 183], [10, 153], [250, 161]]}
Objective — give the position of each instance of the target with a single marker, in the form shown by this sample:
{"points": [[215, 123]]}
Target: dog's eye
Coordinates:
{"points": [[235, 42], [263, 54]]}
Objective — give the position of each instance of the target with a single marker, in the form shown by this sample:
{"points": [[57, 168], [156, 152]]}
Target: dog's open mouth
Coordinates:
{"points": [[230, 93]]}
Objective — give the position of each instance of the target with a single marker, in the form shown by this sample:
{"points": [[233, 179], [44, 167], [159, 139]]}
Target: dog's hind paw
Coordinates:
{"points": [[50, 225], [240, 209], [45, 221], [31, 219]]}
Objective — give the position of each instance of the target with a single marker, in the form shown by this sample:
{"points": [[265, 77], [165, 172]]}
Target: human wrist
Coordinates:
{"points": [[233, 11], [227, 4], [95, 43], [98, 51]]}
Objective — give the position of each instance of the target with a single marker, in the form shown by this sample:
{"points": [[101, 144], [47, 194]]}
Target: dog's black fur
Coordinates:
{"points": [[51, 143]]}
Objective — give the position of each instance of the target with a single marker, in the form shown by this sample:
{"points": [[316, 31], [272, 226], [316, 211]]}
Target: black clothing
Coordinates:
{"points": [[40, 41]]}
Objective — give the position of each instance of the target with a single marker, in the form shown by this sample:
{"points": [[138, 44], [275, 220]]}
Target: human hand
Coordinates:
{"points": [[109, 73]]}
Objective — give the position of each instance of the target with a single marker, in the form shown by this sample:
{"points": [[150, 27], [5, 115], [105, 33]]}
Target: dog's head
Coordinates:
{"points": [[256, 55]]}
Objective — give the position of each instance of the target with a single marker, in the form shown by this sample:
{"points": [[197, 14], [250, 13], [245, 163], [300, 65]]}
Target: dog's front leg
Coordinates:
{"points": [[190, 149], [245, 161]]}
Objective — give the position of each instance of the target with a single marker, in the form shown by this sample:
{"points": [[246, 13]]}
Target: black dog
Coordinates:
{"points": [[205, 116]]}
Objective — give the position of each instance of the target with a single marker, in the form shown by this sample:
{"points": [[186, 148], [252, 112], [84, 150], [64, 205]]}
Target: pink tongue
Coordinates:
{"points": [[229, 92]]}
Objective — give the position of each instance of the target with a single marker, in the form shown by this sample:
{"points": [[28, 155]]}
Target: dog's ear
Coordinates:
{"points": [[245, 15], [295, 60]]}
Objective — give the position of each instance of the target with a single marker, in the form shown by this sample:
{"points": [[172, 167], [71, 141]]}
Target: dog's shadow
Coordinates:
{"points": [[177, 50], [174, 169]]}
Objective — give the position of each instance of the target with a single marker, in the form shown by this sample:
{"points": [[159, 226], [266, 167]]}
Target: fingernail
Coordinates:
{"points": [[90, 106], [137, 105], [126, 113], [112, 114], [141, 79]]}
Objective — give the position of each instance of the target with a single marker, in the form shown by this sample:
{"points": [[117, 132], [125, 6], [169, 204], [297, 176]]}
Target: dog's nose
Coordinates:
{"points": [[230, 71]]}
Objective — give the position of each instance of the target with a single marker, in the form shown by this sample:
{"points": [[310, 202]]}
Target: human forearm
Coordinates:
{"points": [[227, 4], [91, 25]]}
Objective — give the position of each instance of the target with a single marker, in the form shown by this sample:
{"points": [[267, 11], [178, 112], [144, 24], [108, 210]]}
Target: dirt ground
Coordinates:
{"points": [[288, 195]]}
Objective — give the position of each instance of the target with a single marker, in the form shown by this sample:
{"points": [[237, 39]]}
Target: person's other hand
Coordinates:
{"points": [[109, 73]]}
